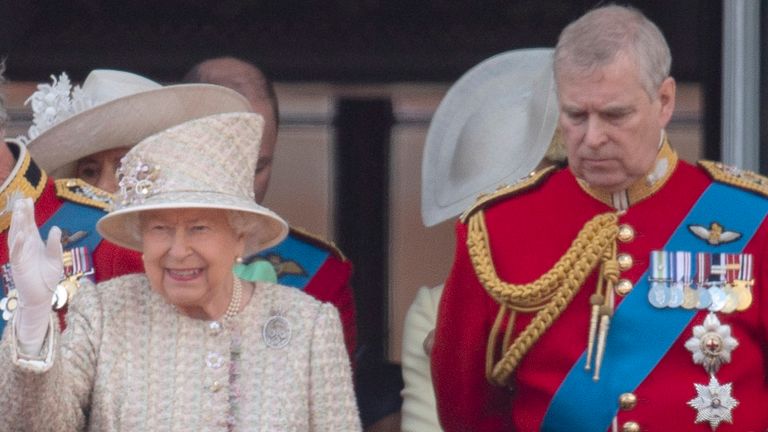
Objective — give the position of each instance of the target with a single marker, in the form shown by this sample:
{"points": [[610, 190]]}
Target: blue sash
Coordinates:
{"points": [[300, 261], [75, 219], [581, 404]]}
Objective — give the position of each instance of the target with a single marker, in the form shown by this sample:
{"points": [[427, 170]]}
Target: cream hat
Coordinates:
{"points": [[113, 109], [493, 126], [203, 163]]}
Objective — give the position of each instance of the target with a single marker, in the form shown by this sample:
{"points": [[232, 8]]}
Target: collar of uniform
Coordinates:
{"points": [[666, 161], [27, 180]]}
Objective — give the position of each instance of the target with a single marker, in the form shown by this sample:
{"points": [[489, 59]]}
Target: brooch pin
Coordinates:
{"points": [[277, 331], [138, 181], [713, 403]]}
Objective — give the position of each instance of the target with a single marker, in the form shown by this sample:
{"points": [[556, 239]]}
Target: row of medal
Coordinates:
{"points": [[722, 283], [77, 264]]}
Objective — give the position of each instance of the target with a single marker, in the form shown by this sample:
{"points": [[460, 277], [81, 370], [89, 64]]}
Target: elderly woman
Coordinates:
{"points": [[186, 346]]}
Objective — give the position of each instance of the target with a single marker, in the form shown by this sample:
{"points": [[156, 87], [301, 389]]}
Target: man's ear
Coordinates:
{"points": [[666, 95]]}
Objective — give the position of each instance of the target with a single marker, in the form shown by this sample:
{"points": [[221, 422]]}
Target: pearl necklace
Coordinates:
{"points": [[234, 303]]}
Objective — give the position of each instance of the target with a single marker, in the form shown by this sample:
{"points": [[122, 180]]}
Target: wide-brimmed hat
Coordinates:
{"points": [[493, 127], [113, 109], [204, 163]]}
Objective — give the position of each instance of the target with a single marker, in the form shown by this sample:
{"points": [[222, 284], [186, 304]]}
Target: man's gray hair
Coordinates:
{"points": [[3, 110], [601, 35]]}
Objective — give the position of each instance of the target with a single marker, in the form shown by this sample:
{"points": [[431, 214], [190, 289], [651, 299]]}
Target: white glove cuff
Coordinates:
{"points": [[31, 327]]}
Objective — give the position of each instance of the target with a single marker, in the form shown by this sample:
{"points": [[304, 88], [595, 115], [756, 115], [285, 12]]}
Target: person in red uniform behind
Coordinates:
{"points": [[624, 292], [21, 177], [303, 260]]}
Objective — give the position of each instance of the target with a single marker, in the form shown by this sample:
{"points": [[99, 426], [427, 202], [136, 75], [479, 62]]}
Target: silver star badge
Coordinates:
{"points": [[711, 344], [713, 403]]}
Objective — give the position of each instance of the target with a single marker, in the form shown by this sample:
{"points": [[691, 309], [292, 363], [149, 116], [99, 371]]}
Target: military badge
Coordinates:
{"points": [[714, 235], [713, 403], [285, 267], [711, 344]]}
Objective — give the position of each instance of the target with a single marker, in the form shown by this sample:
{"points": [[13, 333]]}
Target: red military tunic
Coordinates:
{"points": [[28, 180], [528, 233]]}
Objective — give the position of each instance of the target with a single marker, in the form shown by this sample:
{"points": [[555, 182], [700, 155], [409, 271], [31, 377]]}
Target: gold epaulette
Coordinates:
{"points": [[737, 177], [78, 191], [26, 180], [526, 183], [318, 241]]}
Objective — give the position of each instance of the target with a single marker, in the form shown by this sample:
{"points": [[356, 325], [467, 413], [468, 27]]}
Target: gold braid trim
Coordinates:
{"points": [[549, 295], [733, 176], [79, 191]]}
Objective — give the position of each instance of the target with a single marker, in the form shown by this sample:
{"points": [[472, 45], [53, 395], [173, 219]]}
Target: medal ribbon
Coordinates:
{"points": [[745, 272], [581, 404]]}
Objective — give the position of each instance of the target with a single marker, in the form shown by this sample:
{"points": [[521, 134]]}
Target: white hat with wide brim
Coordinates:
{"points": [[493, 127], [207, 163], [124, 109]]}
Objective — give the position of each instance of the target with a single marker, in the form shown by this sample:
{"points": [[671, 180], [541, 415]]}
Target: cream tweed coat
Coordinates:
{"points": [[129, 362]]}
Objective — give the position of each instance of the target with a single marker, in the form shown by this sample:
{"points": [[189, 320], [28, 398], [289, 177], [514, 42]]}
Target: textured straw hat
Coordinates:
{"points": [[113, 109], [203, 163], [493, 127]]}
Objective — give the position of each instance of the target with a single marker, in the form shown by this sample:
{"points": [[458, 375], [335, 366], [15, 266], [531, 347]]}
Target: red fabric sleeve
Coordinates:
{"points": [[465, 400], [331, 284]]}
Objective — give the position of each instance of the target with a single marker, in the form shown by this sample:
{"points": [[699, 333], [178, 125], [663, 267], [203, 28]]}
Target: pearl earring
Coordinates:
{"points": [[239, 260]]}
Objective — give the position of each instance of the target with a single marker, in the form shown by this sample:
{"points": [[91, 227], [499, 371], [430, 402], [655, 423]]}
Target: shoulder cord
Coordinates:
{"points": [[549, 294]]}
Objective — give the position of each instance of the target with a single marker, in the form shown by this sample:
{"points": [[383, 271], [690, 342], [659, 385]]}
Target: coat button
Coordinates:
{"points": [[624, 287], [627, 401], [216, 386], [625, 261], [214, 328], [626, 233], [630, 426]]}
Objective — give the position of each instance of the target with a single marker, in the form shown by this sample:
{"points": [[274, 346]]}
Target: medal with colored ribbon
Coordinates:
{"points": [[717, 281], [742, 284], [658, 294], [671, 280], [703, 262], [680, 272], [76, 266]]}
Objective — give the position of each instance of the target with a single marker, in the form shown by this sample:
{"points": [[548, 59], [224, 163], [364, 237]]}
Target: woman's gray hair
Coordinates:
{"points": [[601, 35], [240, 223]]}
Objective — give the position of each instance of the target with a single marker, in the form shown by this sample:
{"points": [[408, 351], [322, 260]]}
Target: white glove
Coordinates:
{"points": [[36, 269]]}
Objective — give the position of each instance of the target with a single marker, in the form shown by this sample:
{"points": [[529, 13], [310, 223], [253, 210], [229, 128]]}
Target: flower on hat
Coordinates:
{"points": [[137, 180], [54, 103]]}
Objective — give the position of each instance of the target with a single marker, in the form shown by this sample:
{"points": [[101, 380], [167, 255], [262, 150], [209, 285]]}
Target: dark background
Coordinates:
{"points": [[313, 40]]}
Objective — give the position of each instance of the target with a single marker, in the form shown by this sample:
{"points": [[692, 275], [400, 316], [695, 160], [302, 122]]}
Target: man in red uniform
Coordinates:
{"points": [[624, 292], [302, 260]]}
